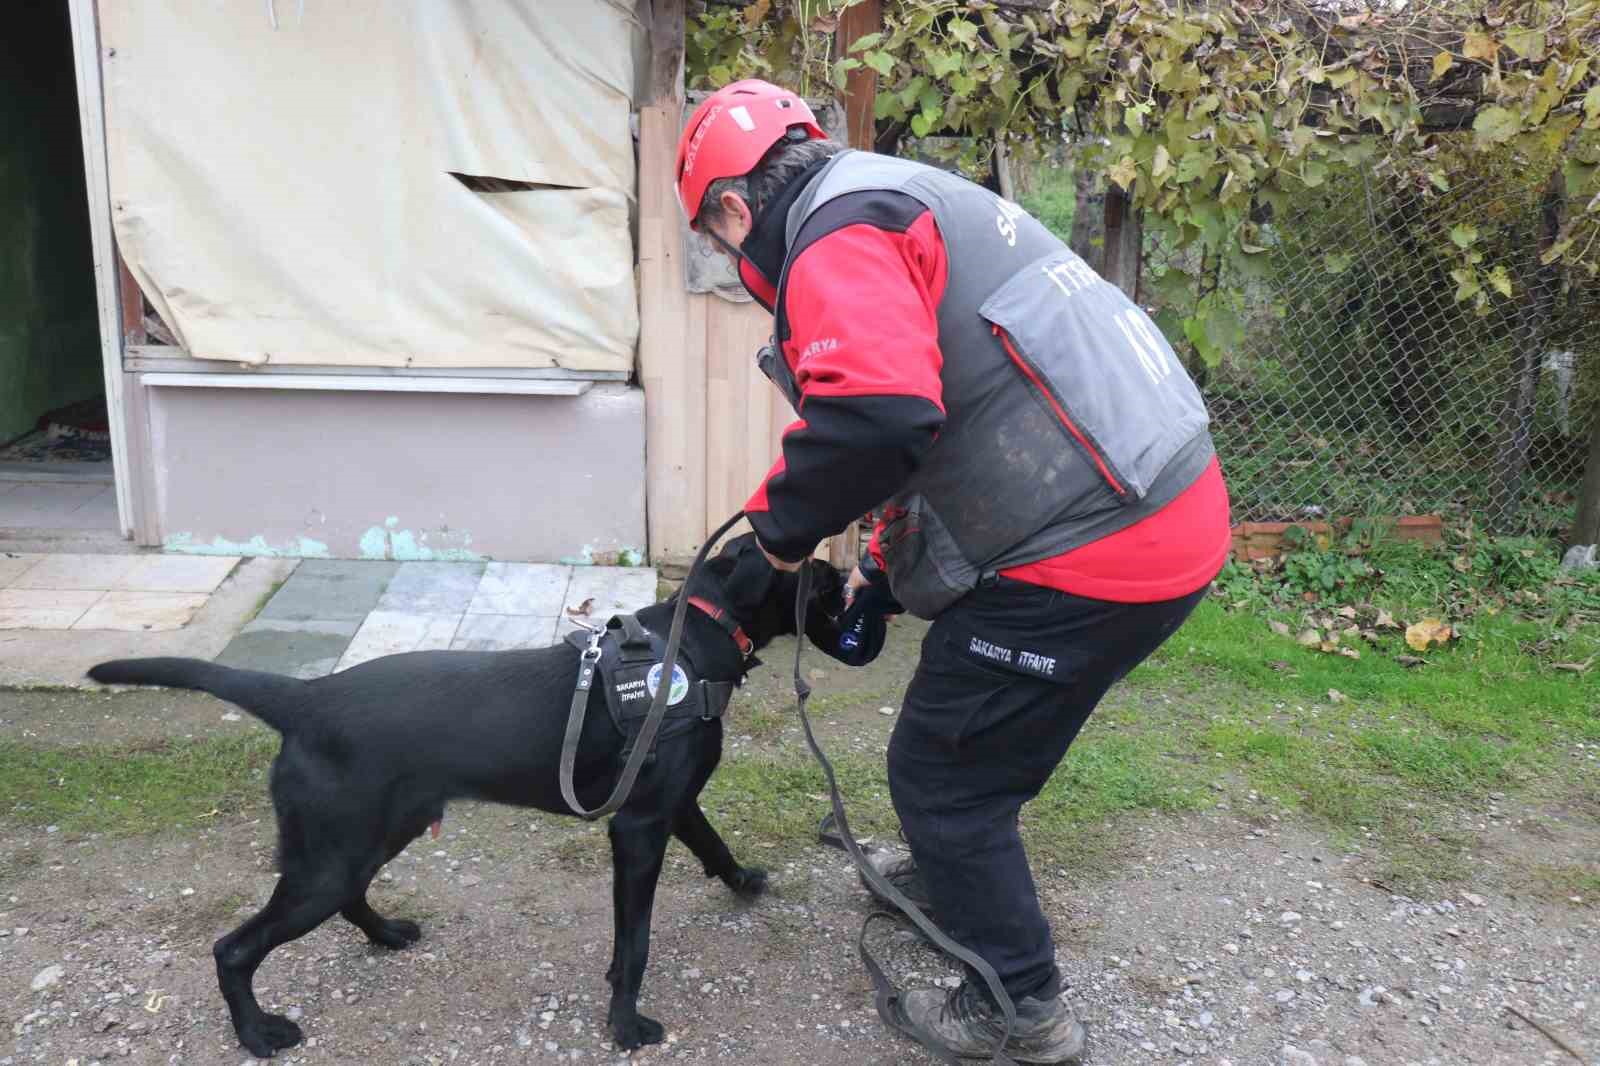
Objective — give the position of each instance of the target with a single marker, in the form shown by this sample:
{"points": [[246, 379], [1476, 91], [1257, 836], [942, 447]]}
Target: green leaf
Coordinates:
{"points": [[1464, 234], [1526, 42], [942, 62], [1161, 165], [1467, 286], [964, 31], [1439, 181], [1193, 164], [864, 42], [1556, 251], [1442, 64], [920, 124], [1500, 280], [1170, 323], [1194, 328], [1591, 106], [1338, 262], [1496, 125], [1314, 173], [882, 62]]}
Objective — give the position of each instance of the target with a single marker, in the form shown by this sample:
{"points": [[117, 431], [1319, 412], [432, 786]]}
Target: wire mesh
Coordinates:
{"points": [[1364, 388]]}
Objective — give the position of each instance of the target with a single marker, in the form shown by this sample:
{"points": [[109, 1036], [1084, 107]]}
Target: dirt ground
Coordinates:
{"points": [[1225, 937]]}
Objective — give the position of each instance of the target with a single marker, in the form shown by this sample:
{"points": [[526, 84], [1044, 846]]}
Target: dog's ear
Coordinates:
{"points": [[751, 578]]}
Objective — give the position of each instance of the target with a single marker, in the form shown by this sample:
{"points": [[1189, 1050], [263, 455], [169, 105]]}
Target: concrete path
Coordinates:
{"points": [[61, 614], [51, 636]]}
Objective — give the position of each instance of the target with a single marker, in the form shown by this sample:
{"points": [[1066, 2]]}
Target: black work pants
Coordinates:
{"points": [[1007, 678]]}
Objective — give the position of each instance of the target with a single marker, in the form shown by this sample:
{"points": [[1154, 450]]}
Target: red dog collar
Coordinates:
{"points": [[747, 646]]}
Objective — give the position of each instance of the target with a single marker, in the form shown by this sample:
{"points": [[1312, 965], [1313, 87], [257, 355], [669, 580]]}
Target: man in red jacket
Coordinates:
{"points": [[1050, 496]]}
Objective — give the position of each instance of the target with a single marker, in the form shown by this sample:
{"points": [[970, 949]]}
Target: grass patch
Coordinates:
{"points": [[133, 789], [1379, 766]]}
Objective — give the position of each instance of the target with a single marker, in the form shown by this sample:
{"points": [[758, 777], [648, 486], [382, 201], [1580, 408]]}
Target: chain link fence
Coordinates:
{"points": [[1365, 389]]}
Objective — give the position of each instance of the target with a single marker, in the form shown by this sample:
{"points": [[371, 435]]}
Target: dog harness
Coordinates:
{"points": [[627, 659]]}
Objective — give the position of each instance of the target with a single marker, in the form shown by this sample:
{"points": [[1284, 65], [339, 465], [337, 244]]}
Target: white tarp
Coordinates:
{"points": [[281, 177]]}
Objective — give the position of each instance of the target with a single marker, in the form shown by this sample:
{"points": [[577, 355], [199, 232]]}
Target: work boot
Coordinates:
{"points": [[963, 1021], [900, 870]]}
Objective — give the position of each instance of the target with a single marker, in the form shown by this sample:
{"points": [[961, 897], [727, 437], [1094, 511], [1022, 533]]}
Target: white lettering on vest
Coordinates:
{"points": [[632, 690], [1072, 275], [819, 347], [1006, 220]]}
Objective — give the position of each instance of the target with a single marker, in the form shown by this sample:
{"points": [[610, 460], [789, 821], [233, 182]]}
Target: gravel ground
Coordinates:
{"points": [[1235, 936]]}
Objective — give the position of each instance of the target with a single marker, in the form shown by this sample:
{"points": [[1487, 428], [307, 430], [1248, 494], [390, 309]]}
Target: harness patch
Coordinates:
{"points": [[680, 684]]}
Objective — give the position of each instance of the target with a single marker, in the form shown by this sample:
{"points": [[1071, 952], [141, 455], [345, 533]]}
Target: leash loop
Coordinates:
{"points": [[887, 996]]}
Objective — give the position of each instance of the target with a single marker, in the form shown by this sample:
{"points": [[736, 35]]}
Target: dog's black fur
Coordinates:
{"points": [[371, 756]]}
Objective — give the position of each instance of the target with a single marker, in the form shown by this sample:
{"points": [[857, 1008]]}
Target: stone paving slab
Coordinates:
{"points": [[311, 627], [300, 649], [392, 632], [139, 612], [521, 589], [44, 608], [13, 565], [432, 588], [331, 589], [503, 632], [79, 572], [614, 589]]}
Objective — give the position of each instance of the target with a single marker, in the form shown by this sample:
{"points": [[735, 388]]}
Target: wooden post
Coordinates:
{"points": [[861, 85], [1586, 526], [672, 348], [132, 301], [1124, 242]]}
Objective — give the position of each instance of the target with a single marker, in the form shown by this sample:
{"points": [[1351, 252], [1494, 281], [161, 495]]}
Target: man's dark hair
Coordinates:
{"points": [[783, 162]]}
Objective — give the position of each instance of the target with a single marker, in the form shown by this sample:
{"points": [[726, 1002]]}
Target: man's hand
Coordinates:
{"points": [[780, 564], [854, 584]]}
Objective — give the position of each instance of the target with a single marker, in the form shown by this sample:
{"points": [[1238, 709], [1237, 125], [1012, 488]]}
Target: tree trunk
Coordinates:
{"points": [[1511, 457], [1088, 219], [1586, 526], [1124, 245]]}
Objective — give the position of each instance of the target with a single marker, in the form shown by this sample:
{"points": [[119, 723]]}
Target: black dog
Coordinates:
{"points": [[371, 756]]}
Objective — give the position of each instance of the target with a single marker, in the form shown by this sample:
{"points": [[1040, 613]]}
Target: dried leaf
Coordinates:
{"points": [[1386, 620], [1442, 64], [1281, 629], [1328, 646], [583, 609], [1336, 696], [1426, 632], [1346, 612], [1410, 660], [1576, 668], [1349, 653], [1480, 46], [1310, 638]]}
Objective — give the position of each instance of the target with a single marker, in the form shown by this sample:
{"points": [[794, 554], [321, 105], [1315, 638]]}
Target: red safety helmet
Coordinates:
{"points": [[730, 132]]}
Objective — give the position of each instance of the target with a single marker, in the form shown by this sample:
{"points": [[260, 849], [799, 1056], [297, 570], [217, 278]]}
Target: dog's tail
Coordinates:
{"points": [[273, 698]]}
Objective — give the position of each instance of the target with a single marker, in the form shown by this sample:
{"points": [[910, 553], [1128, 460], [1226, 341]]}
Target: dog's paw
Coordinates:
{"points": [[396, 933], [747, 881], [269, 1034], [636, 1031]]}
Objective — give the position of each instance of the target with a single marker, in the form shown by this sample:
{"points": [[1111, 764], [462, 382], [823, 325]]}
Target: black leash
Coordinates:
{"points": [[887, 995], [589, 666]]}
